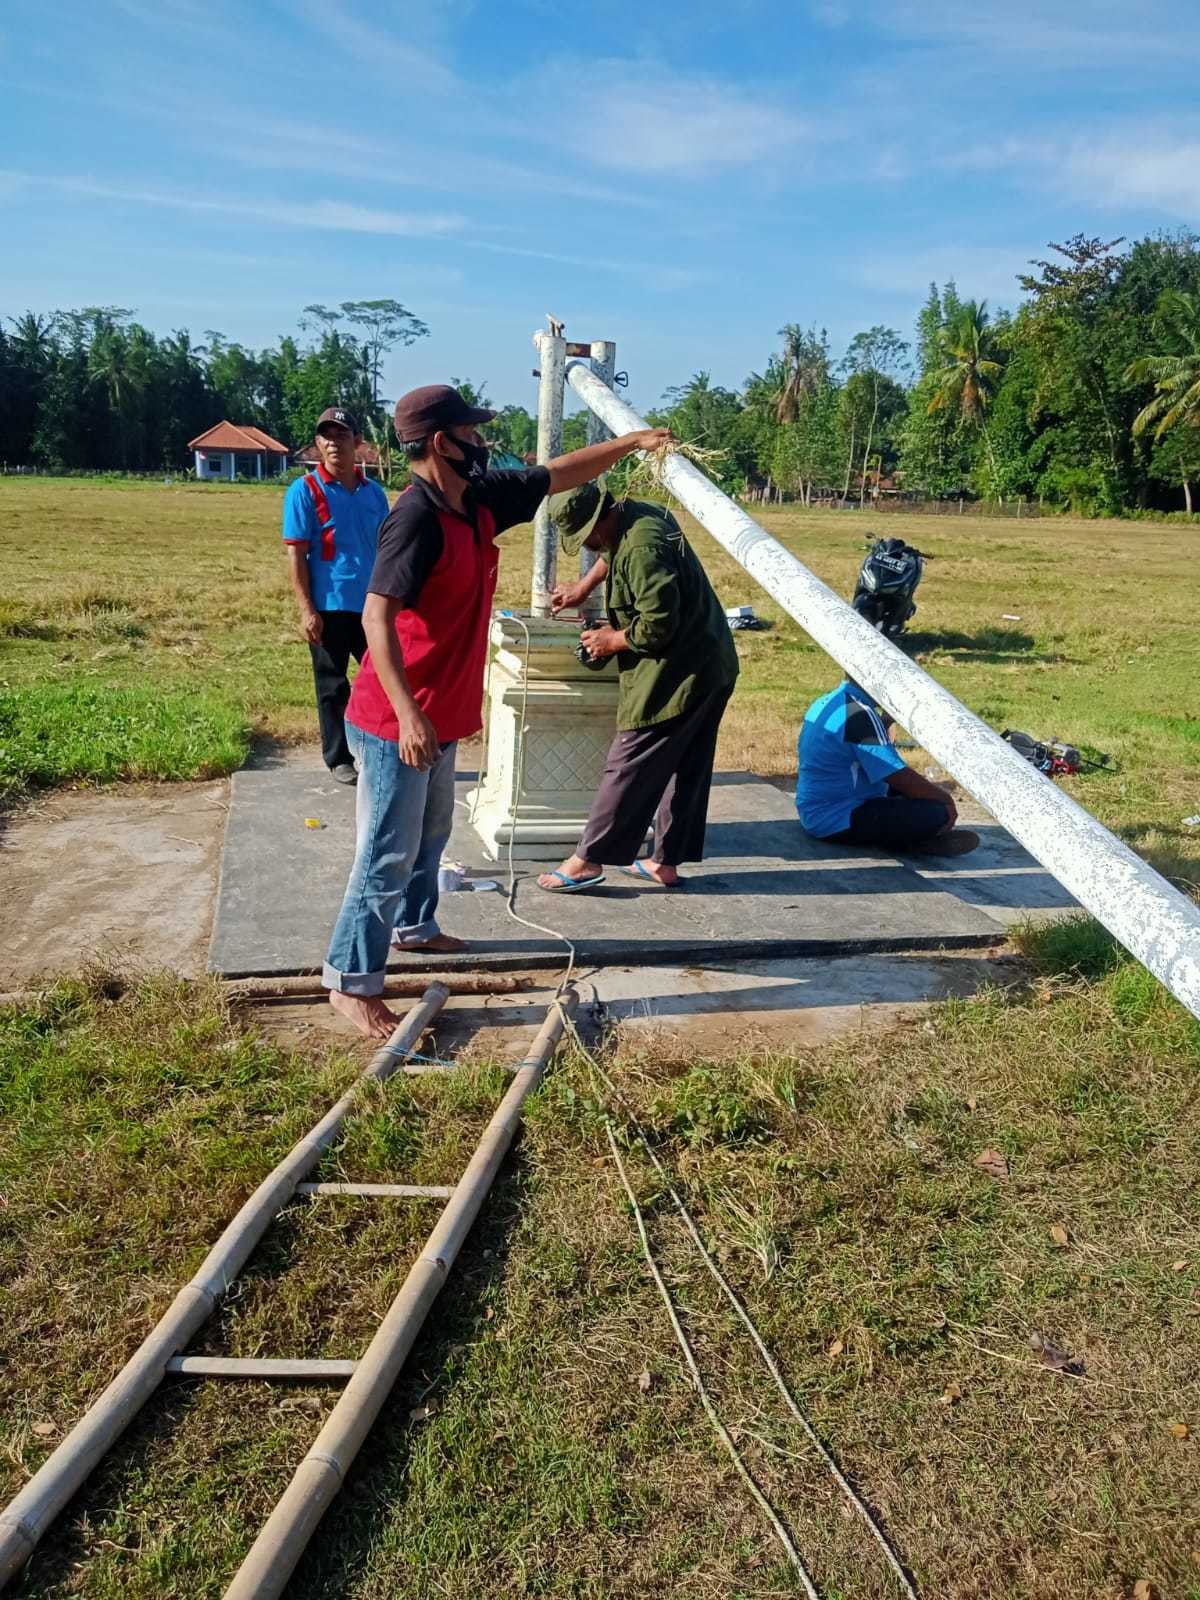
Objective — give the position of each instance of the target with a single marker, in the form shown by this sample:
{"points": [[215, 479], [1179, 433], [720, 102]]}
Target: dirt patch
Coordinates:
{"points": [[126, 876]]}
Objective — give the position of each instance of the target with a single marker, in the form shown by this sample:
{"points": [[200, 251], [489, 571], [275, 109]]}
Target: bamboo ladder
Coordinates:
{"points": [[369, 1380]]}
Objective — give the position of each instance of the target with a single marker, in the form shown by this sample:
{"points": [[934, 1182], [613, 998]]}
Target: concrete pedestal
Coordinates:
{"points": [[550, 723]]}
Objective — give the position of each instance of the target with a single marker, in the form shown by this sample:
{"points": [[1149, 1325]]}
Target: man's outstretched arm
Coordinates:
{"points": [[581, 466]]}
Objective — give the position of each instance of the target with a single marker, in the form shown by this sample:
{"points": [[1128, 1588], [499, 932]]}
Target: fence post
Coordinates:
{"points": [[552, 359]]}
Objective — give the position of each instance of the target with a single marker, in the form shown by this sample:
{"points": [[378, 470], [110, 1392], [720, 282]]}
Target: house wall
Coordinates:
{"points": [[217, 465]]}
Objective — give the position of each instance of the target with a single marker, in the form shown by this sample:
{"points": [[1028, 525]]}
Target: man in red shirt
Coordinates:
{"points": [[420, 689]]}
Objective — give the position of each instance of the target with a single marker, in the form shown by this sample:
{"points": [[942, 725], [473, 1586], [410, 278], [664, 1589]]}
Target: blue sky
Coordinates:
{"points": [[682, 178]]}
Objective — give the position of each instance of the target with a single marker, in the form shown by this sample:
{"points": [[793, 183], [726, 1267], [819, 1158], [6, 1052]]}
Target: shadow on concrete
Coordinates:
{"points": [[745, 989]]}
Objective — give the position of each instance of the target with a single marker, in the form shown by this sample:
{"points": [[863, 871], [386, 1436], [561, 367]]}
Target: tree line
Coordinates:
{"points": [[94, 390], [1086, 396]]}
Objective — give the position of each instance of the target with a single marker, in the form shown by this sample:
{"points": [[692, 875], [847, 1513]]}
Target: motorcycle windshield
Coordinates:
{"points": [[893, 572]]}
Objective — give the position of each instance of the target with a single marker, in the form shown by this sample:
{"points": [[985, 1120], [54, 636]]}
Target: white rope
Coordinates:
{"points": [[727, 1289], [721, 1430], [747, 1321]]}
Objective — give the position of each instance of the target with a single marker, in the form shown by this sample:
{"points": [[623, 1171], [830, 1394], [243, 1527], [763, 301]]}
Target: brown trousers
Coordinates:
{"points": [[664, 772]]}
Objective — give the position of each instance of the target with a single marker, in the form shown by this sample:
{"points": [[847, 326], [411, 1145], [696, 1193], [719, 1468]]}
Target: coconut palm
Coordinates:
{"points": [[969, 374], [1175, 376], [802, 368]]}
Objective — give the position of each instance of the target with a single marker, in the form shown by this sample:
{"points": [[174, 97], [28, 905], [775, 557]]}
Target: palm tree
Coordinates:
{"points": [[969, 373], [1176, 377], [802, 368]]}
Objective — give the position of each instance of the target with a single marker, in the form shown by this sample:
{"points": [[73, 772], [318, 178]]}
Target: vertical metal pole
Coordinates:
{"points": [[604, 365], [552, 362]]}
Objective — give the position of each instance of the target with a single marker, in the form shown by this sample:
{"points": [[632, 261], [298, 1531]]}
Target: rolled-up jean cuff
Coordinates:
{"points": [[363, 983], [417, 934]]}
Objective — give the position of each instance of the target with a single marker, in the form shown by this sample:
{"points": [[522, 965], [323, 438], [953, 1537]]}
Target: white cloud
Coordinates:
{"points": [[414, 62], [644, 120], [316, 213], [1162, 174], [1156, 168], [1067, 34]]}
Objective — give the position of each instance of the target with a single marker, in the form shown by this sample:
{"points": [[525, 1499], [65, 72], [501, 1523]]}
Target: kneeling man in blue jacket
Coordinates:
{"points": [[853, 786]]}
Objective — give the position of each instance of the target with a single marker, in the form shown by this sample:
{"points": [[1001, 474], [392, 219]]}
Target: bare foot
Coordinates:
{"points": [[367, 1012], [574, 867], [444, 944]]}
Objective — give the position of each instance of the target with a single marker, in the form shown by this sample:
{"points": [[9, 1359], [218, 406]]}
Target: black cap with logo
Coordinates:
{"points": [[343, 418]]}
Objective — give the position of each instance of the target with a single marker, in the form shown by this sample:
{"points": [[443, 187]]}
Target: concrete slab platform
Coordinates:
{"points": [[767, 891]]}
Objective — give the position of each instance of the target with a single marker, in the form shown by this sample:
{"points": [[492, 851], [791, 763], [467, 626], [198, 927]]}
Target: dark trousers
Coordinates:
{"points": [[664, 772], [893, 821], [341, 638]]}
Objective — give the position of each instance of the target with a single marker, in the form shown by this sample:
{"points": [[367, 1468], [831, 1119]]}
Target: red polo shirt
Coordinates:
{"points": [[441, 565]]}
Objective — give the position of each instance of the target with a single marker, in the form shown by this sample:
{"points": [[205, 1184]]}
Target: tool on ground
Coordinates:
{"points": [[1055, 757], [369, 1380]]}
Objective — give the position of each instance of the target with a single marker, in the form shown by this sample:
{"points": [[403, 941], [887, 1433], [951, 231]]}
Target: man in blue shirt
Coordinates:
{"points": [[853, 787], [331, 522]]}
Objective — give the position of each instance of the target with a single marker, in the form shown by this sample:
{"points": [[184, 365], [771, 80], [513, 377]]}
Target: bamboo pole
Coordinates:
{"points": [[62, 1474], [301, 987], [291, 1525], [314, 1370]]}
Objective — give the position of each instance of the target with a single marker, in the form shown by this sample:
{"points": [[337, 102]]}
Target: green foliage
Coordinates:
{"points": [[54, 733], [708, 1106], [1087, 397], [1077, 946], [92, 389]]}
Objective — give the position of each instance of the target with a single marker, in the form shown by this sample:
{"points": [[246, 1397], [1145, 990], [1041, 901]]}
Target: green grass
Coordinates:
{"points": [[839, 1188], [57, 733], [127, 585], [147, 631]]}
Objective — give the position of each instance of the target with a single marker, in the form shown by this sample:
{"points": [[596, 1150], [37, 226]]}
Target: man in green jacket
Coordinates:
{"points": [[677, 665]]}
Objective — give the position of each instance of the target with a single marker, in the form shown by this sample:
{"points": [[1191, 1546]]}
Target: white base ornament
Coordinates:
{"points": [[541, 777]]}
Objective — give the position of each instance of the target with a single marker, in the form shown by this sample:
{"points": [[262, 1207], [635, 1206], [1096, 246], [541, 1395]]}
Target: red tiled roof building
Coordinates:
{"points": [[231, 451]]}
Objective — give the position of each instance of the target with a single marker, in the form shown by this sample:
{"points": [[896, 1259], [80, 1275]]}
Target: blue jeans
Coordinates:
{"points": [[404, 819]]}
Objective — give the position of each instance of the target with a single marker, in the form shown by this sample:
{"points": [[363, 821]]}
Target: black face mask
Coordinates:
{"points": [[474, 460]]}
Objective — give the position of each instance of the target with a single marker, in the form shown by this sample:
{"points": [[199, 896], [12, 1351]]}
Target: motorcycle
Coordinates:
{"points": [[886, 584]]}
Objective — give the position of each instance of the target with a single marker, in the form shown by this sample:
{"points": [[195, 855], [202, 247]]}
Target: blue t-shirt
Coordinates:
{"points": [[845, 757], [338, 569]]}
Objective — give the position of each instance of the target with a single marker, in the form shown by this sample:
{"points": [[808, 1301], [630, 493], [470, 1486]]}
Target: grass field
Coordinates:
{"points": [[544, 1440], [524, 1451], [179, 593]]}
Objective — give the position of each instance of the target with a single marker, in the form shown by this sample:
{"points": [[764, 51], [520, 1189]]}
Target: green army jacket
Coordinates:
{"points": [[680, 644]]}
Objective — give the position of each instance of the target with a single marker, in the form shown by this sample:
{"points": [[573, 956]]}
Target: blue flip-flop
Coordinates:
{"points": [[638, 870], [571, 885]]}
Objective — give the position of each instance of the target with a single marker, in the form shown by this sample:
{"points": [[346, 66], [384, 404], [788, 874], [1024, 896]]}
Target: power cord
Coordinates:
{"points": [[723, 1283]]}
